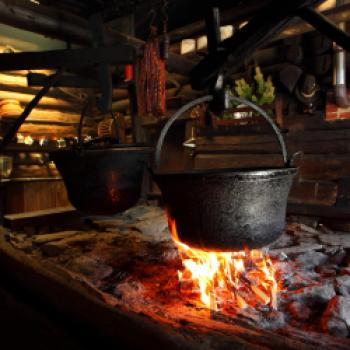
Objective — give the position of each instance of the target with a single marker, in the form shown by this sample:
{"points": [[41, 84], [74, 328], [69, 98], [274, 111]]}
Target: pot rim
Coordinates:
{"points": [[228, 172], [114, 148]]}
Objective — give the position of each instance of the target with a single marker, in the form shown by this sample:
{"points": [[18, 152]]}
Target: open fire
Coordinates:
{"points": [[227, 280], [131, 263]]}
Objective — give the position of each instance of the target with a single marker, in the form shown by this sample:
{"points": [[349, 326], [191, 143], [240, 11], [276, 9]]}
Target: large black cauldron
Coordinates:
{"points": [[228, 209], [102, 180]]}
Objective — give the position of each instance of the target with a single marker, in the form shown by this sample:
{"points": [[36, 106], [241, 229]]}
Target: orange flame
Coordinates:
{"points": [[236, 279]]}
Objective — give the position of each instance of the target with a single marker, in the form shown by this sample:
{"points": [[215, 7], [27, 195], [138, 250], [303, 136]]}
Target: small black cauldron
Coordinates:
{"points": [[100, 179]]}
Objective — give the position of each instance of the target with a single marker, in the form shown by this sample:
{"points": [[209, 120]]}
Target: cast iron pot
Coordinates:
{"points": [[226, 209], [101, 177], [102, 180]]}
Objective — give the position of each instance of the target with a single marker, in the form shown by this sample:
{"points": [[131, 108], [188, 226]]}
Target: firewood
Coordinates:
{"points": [[296, 249], [50, 237], [55, 248], [52, 249], [336, 239], [260, 294]]}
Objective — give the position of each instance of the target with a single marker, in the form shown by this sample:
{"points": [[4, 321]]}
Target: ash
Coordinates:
{"points": [[130, 260]]}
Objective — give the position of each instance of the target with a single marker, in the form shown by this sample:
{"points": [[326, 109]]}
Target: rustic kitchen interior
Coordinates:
{"points": [[174, 174]]}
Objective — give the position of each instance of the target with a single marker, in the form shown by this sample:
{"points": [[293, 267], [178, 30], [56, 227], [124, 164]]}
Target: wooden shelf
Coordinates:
{"points": [[151, 122]]}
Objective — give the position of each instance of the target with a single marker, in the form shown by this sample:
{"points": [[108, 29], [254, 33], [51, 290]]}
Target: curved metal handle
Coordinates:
{"points": [[84, 110], [80, 126], [209, 98]]}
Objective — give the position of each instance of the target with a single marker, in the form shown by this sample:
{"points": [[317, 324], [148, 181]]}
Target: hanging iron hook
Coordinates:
{"points": [[165, 40], [165, 15], [153, 15]]}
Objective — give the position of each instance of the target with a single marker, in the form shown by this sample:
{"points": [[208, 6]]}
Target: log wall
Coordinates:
{"points": [[36, 184], [57, 114]]}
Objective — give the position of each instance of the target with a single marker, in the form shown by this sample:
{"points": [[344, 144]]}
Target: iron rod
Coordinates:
{"points": [[29, 107]]}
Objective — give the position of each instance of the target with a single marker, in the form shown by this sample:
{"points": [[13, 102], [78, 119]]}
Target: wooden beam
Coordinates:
{"points": [[260, 29], [298, 27], [229, 16], [175, 63], [236, 15], [313, 193], [16, 148], [72, 58], [50, 22], [40, 217], [318, 211], [47, 116], [326, 27], [11, 132], [185, 92], [9, 81], [46, 102], [53, 130], [74, 81], [44, 20]]}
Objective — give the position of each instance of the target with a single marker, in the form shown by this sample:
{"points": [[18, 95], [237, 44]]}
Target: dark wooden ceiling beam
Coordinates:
{"points": [[71, 58], [175, 64], [44, 20], [229, 16], [63, 26], [258, 32], [72, 81], [183, 12], [299, 26], [326, 27]]}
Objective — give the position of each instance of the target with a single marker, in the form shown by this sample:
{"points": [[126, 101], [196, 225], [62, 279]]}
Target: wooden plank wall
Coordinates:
{"points": [[26, 196]]}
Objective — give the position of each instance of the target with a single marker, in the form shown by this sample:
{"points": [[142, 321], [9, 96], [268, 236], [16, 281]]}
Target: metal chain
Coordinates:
{"points": [[165, 16]]}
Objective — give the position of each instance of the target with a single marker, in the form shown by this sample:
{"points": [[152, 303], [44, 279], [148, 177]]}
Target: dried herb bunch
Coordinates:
{"points": [[260, 91]]}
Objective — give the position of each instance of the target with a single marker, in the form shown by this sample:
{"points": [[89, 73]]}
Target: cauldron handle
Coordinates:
{"points": [[209, 98], [84, 110]]}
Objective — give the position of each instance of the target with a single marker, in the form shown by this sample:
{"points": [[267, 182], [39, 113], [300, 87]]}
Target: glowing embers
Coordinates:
{"points": [[226, 280]]}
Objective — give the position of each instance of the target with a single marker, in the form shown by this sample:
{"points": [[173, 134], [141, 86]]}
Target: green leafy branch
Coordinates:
{"points": [[261, 91]]}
